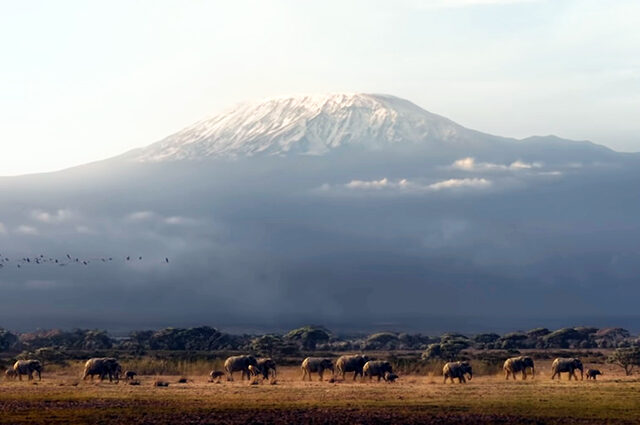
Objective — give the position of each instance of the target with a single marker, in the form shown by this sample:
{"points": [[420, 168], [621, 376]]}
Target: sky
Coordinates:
{"points": [[83, 81]]}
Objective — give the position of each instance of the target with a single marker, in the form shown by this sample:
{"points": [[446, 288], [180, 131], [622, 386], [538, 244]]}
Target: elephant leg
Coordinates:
{"points": [[524, 375], [445, 379], [19, 376], [462, 380], [320, 374]]}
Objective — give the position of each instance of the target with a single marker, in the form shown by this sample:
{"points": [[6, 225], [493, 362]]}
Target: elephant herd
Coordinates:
{"points": [[360, 365]]}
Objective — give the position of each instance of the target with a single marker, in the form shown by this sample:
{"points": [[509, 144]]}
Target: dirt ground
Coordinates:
{"points": [[61, 398]]}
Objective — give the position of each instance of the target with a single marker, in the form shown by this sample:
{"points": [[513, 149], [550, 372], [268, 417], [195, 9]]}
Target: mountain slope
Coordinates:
{"points": [[308, 125]]}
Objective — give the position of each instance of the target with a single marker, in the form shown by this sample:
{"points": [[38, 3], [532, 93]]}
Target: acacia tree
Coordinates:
{"points": [[626, 358]]}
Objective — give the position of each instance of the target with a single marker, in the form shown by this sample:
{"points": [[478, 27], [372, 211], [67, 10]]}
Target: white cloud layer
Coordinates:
{"points": [[52, 217], [470, 164], [411, 186], [475, 182], [141, 215]]}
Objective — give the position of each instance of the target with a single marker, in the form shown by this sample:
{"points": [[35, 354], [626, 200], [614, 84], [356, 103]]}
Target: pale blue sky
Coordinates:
{"points": [[82, 81]]}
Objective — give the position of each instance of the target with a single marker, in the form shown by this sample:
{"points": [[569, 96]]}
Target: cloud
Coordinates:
{"points": [[24, 229], [461, 183], [470, 164], [406, 185], [179, 220], [141, 215], [377, 184], [3, 229], [55, 217]]}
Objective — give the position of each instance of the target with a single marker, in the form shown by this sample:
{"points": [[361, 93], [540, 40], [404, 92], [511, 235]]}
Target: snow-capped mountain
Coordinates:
{"points": [[307, 125]]}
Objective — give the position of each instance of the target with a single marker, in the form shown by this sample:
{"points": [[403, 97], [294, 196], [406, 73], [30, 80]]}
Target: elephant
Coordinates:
{"points": [[376, 368], [10, 374], [129, 375], [239, 364], [518, 364], [390, 377], [593, 373], [215, 375], [316, 365], [353, 363], [27, 367], [569, 365], [458, 370], [103, 366], [266, 367]]}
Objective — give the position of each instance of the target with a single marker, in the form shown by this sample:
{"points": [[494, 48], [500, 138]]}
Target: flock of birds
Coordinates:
{"points": [[64, 261]]}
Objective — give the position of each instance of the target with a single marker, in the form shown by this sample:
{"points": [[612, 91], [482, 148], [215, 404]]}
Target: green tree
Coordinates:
{"points": [[308, 336], [449, 347], [7, 340], [272, 345], [626, 358]]}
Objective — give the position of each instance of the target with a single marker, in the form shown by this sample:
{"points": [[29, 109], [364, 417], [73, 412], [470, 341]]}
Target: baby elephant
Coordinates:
{"points": [[390, 377], [215, 375], [129, 375], [593, 373], [378, 368], [11, 374]]}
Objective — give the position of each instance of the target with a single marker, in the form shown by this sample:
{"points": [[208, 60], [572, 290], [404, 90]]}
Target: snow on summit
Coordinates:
{"points": [[305, 124]]}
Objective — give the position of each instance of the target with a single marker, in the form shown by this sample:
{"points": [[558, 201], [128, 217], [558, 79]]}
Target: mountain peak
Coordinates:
{"points": [[311, 124]]}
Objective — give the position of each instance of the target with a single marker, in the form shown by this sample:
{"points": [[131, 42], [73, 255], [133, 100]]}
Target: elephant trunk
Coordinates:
{"points": [[533, 372]]}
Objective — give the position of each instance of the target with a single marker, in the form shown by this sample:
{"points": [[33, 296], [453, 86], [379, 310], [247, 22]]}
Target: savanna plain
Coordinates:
{"points": [[416, 397]]}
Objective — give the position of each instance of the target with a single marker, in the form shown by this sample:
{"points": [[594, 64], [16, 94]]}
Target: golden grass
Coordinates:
{"points": [[63, 398]]}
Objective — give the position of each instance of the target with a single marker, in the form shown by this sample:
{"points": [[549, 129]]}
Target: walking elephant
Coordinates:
{"points": [[377, 368], [316, 365], [354, 363], [130, 375], [102, 366], [266, 367], [239, 364], [27, 367], [569, 365], [458, 370], [593, 373], [518, 364]]}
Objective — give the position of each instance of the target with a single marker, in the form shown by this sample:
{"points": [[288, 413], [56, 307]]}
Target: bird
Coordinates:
{"points": [[166, 260]]}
